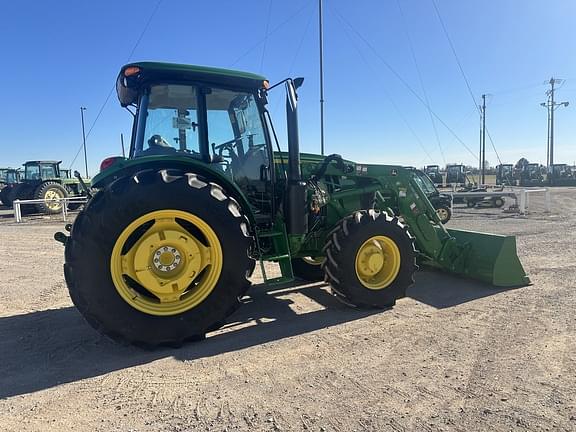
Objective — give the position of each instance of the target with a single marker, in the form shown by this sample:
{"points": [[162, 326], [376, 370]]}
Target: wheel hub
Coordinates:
{"points": [[166, 259], [377, 262]]}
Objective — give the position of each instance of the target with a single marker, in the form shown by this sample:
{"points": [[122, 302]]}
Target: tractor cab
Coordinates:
{"points": [[455, 174], [531, 175], [433, 171], [12, 176], [562, 175], [505, 175], [38, 171], [9, 176], [194, 115]]}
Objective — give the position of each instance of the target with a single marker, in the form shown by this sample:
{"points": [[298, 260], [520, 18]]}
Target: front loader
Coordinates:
{"points": [[163, 251]]}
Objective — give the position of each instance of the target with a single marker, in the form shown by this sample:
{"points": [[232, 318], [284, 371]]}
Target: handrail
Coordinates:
{"points": [[69, 200]]}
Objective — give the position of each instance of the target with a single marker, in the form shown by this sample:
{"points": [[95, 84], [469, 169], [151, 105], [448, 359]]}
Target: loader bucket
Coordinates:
{"points": [[489, 258]]}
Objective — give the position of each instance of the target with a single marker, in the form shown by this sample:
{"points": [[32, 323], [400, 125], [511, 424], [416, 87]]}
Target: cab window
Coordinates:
{"points": [[172, 121], [236, 133]]}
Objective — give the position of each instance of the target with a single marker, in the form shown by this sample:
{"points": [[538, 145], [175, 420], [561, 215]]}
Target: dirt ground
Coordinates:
{"points": [[453, 355]]}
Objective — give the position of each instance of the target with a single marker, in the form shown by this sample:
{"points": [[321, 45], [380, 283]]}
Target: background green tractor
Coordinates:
{"points": [[9, 177], [561, 175], [44, 180], [456, 174], [433, 171], [162, 252], [505, 175]]}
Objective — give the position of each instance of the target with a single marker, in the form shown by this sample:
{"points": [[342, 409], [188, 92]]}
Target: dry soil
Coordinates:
{"points": [[453, 355]]}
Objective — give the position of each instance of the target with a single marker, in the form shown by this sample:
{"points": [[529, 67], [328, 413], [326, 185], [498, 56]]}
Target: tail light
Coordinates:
{"points": [[108, 162]]}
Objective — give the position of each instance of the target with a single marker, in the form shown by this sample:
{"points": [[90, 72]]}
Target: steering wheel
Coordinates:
{"points": [[228, 145]]}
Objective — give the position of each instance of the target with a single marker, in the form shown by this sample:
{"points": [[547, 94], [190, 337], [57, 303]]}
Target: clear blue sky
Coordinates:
{"points": [[60, 55]]}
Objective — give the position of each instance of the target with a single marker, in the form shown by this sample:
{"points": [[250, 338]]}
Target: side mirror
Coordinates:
{"points": [[298, 82]]}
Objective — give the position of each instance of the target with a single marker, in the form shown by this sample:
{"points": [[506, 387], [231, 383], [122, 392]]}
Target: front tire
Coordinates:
{"points": [[370, 259], [497, 202], [444, 214], [158, 258]]}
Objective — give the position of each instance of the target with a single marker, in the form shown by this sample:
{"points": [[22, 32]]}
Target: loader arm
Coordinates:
{"points": [[486, 257]]}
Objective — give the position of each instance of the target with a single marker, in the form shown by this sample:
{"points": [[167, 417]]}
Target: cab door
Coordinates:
{"points": [[239, 147]]}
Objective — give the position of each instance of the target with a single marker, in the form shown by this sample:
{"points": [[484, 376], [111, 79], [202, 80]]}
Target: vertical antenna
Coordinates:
{"points": [[82, 109], [321, 77], [122, 142]]}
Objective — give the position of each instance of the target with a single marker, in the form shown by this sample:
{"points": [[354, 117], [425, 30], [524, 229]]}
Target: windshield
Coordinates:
{"points": [[172, 122], [32, 172], [234, 124], [425, 183], [455, 169], [11, 177]]}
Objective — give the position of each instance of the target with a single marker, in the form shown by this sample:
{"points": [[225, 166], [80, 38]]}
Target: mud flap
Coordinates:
{"points": [[489, 258]]}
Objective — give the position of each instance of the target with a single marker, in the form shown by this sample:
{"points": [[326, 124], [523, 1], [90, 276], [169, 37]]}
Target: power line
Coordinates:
{"points": [[274, 30], [420, 79], [403, 81], [398, 111], [114, 86], [296, 54], [454, 52], [482, 112], [266, 35]]}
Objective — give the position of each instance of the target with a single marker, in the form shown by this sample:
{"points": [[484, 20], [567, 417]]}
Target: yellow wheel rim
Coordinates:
{"points": [[377, 262], [442, 214], [52, 199], [166, 262]]}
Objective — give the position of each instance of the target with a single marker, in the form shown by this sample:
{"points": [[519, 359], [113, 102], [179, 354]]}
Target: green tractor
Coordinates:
{"points": [[44, 180], [456, 175], [531, 174], [561, 175], [505, 175], [433, 171], [8, 178], [163, 251]]}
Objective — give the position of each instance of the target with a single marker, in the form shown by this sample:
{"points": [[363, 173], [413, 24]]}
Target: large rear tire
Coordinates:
{"points": [[158, 258], [51, 193], [370, 259], [5, 196]]}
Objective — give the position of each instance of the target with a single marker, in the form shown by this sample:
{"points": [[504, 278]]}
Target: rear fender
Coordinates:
{"points": [[128, 168]]}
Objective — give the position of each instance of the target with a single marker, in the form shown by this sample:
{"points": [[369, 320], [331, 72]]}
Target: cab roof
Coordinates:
{"points": [[156, 71], [42, 161]]}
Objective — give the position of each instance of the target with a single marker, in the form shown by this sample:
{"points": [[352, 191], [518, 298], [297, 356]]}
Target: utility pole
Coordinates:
{"points": [[321, 27], [551, 105], [82, 109], [480, 147], [483, 155]]}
